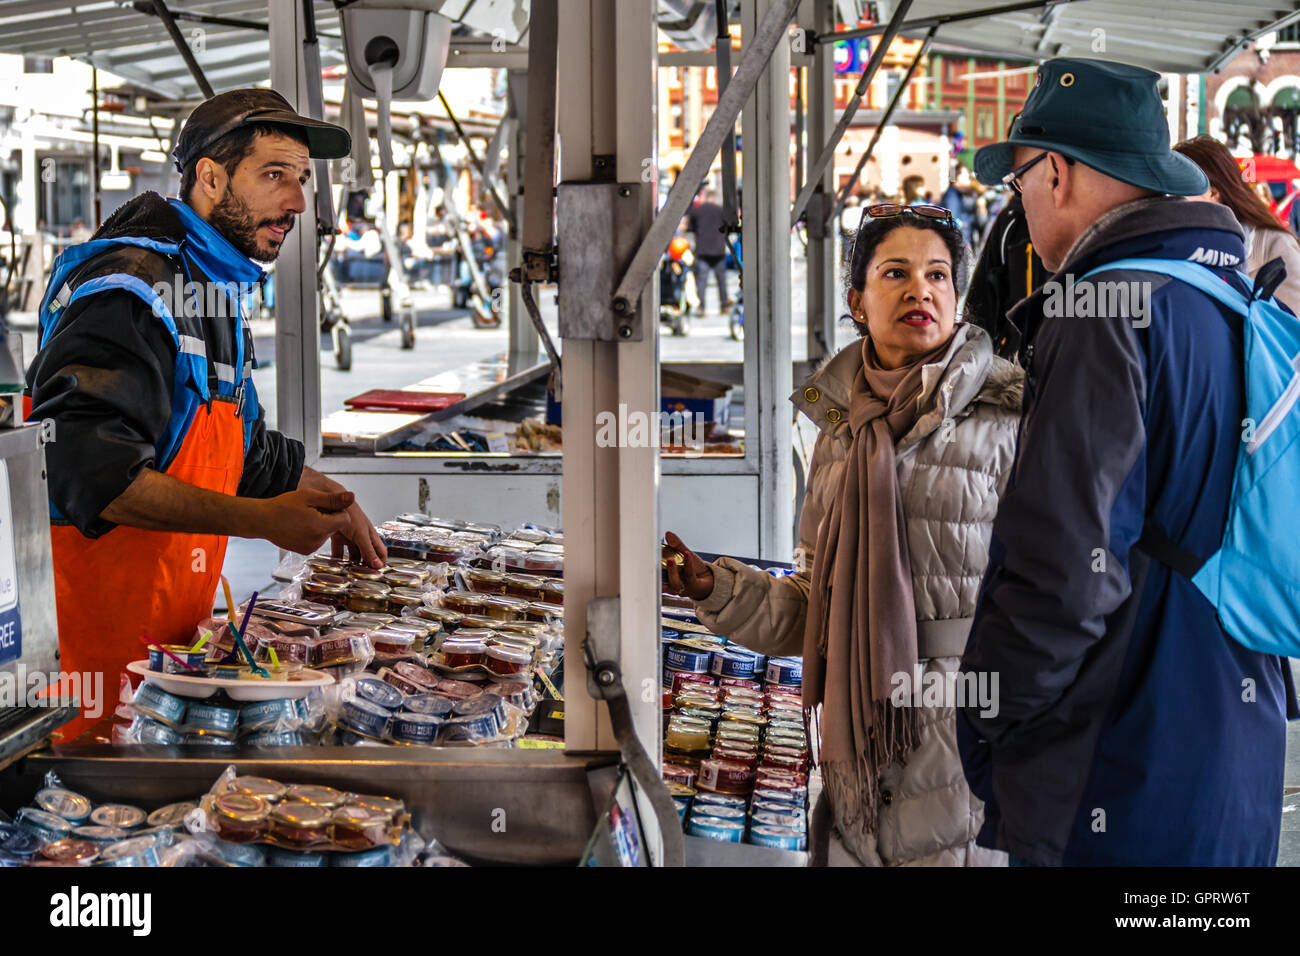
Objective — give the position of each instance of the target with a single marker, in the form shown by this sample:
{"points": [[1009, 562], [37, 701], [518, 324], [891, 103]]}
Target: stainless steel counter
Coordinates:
{"points": [[522, 807]]}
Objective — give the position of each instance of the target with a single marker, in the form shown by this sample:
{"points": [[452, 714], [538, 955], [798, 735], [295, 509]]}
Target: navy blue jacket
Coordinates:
{"points": [[1130, 728]]}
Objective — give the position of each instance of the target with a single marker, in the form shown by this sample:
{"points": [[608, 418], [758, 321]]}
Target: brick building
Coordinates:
{"points": [[956, 102], [1254, 101]]}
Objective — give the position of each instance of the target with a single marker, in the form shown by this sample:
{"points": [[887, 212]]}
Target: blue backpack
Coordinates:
{"points": [[1253, 580]]}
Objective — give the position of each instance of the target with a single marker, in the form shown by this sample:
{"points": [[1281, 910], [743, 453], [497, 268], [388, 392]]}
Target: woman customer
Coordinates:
{"points": [[1266, 238], [918, 426]]}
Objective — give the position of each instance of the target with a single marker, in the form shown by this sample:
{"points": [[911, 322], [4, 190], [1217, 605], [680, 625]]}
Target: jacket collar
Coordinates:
{"points": [[948, 384], [213, 252], [1138, 227]]}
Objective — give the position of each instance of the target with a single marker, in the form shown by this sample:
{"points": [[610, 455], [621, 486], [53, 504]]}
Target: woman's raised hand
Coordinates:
{"points": [[693, 578]]}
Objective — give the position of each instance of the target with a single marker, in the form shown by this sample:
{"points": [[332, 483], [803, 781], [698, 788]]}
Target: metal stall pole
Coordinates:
{"points": [[524, 343], [610, 494], [818, 17], [864, 81], [765, 237], [885, 117], [94, 149], [297, 328], [604, 208]]}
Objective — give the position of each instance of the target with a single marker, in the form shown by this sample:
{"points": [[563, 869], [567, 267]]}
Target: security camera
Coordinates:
{"points": [[412, 43]]}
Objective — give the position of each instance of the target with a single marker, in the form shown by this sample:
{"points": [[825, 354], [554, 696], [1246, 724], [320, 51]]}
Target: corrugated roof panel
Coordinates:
{"points": [[1185, 36], [137, 46]]}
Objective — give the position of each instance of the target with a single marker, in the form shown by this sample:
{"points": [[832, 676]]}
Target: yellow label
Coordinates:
{"points": [[529, 743], [554, 692]]}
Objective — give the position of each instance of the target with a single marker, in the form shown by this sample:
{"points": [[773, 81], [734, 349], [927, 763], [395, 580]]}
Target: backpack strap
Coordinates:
{"points": [[1195, 275], [1269, 276], [1154, 541], [1167, 551]]}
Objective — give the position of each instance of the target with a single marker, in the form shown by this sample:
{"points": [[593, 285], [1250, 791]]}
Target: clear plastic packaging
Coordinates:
{"points": [[307, 817], [462, 652], [507, 661], [463, 602], [392, 643]]}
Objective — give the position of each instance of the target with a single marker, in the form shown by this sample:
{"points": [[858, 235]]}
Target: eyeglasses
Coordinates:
{"points": [[888, 210], [1012, 178]]}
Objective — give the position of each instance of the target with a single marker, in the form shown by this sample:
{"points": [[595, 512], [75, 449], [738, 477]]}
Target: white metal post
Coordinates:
{"points": [[606, 94], [635, 58], [297, 325], [765, 244]]}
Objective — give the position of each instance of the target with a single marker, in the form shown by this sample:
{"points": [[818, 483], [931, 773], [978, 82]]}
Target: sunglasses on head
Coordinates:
{"points": [[891, 210], [888, 210]]}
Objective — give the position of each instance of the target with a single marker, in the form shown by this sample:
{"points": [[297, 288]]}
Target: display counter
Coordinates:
{"points": [[521, 807], [510, 487]]}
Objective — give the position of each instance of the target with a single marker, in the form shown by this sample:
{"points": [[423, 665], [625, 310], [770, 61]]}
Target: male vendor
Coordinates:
{"points": [[159, 447]]}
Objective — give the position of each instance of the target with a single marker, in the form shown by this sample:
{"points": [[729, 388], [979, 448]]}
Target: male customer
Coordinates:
{"points": [[1131, 729], [705, 222]]}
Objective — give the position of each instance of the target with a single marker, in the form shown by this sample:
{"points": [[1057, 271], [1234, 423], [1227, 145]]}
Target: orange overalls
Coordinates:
{"points": [[117, 591], [130, 586]]}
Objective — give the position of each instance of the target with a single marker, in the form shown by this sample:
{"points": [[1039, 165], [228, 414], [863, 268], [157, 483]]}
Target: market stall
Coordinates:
{"points": [[516, 803]]}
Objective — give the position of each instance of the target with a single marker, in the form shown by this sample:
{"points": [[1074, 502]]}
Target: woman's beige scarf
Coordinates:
{"points": [[861, 624]]}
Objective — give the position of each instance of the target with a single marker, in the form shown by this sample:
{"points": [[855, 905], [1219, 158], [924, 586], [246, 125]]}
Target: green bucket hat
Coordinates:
{"points": [[1104, 114]]}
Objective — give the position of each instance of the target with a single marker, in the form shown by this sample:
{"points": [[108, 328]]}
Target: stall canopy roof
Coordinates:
{"points": [[1182, 36], [125, 38], [137, 47], [1171, 36]]}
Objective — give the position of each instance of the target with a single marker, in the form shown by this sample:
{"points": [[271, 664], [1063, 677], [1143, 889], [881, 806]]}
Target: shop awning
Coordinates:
{"points": [[1171, 36], [1243, 97], [1261, 168], [1288, 98]]}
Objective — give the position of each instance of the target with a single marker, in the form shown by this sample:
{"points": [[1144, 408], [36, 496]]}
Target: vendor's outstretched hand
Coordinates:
{"points": [[360, 539], [694, 579], [303, 520], [354, 535]]}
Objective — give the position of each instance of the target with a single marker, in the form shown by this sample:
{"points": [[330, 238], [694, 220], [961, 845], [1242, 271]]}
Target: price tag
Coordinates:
{"points": [[497, 442]]}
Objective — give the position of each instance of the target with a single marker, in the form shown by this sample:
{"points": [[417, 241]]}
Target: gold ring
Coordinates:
{"points": [[1067, 79]]}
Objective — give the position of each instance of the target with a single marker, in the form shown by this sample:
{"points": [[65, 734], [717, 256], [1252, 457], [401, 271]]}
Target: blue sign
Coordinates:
{"points": [[11, 626], [864, 54]]}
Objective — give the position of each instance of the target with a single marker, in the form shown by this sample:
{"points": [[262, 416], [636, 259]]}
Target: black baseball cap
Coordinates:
{"points": [[1104, 114], [214, 118]]}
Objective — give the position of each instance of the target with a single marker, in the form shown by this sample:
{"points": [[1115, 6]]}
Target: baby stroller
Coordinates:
{"points": [[677, 297]]}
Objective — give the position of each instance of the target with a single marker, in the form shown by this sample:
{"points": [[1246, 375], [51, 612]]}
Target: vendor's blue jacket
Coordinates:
{"points": [[1129, 727]]}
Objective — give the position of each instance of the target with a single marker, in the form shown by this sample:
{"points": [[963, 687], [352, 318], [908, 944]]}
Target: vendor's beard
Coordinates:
{"points": [[234, 220]]}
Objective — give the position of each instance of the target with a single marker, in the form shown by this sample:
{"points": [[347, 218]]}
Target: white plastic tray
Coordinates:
{"points": [[246, 690]]}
